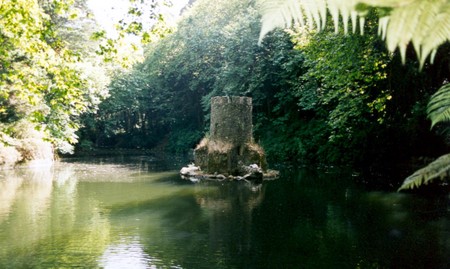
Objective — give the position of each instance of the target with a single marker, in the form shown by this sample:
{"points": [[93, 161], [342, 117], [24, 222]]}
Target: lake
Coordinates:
{"points": [[136, 212]]}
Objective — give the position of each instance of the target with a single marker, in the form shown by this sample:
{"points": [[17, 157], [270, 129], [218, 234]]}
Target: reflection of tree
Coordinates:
{"points": [[48, 226], [207, 225], [26, 224], [402, 231], [9, 184], [305, 220], [230, 210], [320, 220], [77, 247]]}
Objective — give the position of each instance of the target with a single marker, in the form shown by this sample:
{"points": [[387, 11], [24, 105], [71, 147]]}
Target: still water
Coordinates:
{"points": [[136, 212]]}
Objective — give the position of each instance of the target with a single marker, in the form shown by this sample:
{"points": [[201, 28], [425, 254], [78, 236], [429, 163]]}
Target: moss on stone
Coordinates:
{"points": [[230, 146]]}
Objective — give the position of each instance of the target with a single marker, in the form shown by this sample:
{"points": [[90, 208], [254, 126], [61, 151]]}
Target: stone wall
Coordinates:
{"points": [[231, 119], [230, 146]]}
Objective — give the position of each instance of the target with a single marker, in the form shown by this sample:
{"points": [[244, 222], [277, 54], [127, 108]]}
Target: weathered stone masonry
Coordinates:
{"points": [[230, 146]]}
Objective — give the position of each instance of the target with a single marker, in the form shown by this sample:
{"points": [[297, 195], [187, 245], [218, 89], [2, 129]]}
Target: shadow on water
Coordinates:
{"points": [[202, 226], [304, 220], [145, 161], [124, 213], [329, 223]]}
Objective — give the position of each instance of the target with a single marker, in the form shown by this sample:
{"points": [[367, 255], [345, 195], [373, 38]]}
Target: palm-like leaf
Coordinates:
{"points": [[307, 13], [439, 170], [439, 106], [424, 23]]}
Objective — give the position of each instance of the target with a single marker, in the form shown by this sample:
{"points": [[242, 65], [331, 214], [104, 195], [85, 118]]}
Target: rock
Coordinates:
{"points": [[229, 151], [220, 177], [252, 168], [9, 156], [253, 173], [190, 170], [271, 174]]}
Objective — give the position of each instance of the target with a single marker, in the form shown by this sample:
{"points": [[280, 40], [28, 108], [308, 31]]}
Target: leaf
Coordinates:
{"points": [[282, 13], [403, 21], [439, 170], [307, 13], [439, 106], [426, 24], [438, 33], [386, 3]]}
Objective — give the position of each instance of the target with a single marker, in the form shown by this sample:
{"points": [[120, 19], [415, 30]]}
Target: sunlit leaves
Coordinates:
{"points": [[343, 84], [311, 14], [99, 35], [436, 172], [425, 24], [40, 82], [142, 23]]}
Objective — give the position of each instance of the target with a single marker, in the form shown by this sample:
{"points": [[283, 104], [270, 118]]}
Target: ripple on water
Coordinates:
{"points": [[128, 254]]}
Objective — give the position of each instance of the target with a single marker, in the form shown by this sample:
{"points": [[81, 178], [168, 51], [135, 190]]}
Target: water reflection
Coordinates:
{"points": [[334, 224], [230, 210], [126, 253], [113, 215], [9, 185], [39, 221], [26, 205]]}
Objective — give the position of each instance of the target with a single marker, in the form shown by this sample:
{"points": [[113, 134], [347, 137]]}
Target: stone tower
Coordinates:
{"points": [[230, 146]]}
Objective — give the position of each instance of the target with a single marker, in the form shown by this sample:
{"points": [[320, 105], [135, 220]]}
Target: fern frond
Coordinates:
{"points": [[439, 170], [424, 23], [348, 12], [438, 108], [279, 13], [382, 27], [386, 3], [403, 21], [438, 32], [309, 13]]}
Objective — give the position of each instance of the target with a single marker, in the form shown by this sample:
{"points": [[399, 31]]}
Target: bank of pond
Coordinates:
{"points": [[135, 211]]}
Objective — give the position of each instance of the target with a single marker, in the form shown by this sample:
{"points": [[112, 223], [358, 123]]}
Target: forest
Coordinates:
{"points": [[320, 98]]}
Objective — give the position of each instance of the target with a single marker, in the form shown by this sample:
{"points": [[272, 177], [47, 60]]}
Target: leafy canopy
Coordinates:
{"points": [[41, 83], [425, 24]]}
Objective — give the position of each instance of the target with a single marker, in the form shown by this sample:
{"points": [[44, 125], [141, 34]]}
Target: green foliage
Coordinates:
{"points": [[318, 97], [145, 22], [180, 140], [348, 94], [123, 118], [426, 24], [41, 83], [345, 85], [435, 172], [180, 72], [439, 106]]}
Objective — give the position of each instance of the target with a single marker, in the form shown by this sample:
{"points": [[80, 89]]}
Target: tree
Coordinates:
{"points": [[42, 89], [144, 22], [425, 24], [181, 71], [345, 83]]}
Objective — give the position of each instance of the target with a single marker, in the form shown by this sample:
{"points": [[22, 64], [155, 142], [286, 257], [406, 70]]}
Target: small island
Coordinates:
{"points": [[229, 151]]}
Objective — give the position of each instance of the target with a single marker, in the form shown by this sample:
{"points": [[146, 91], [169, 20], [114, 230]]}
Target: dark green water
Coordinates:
{"points": [[136, 214]]}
